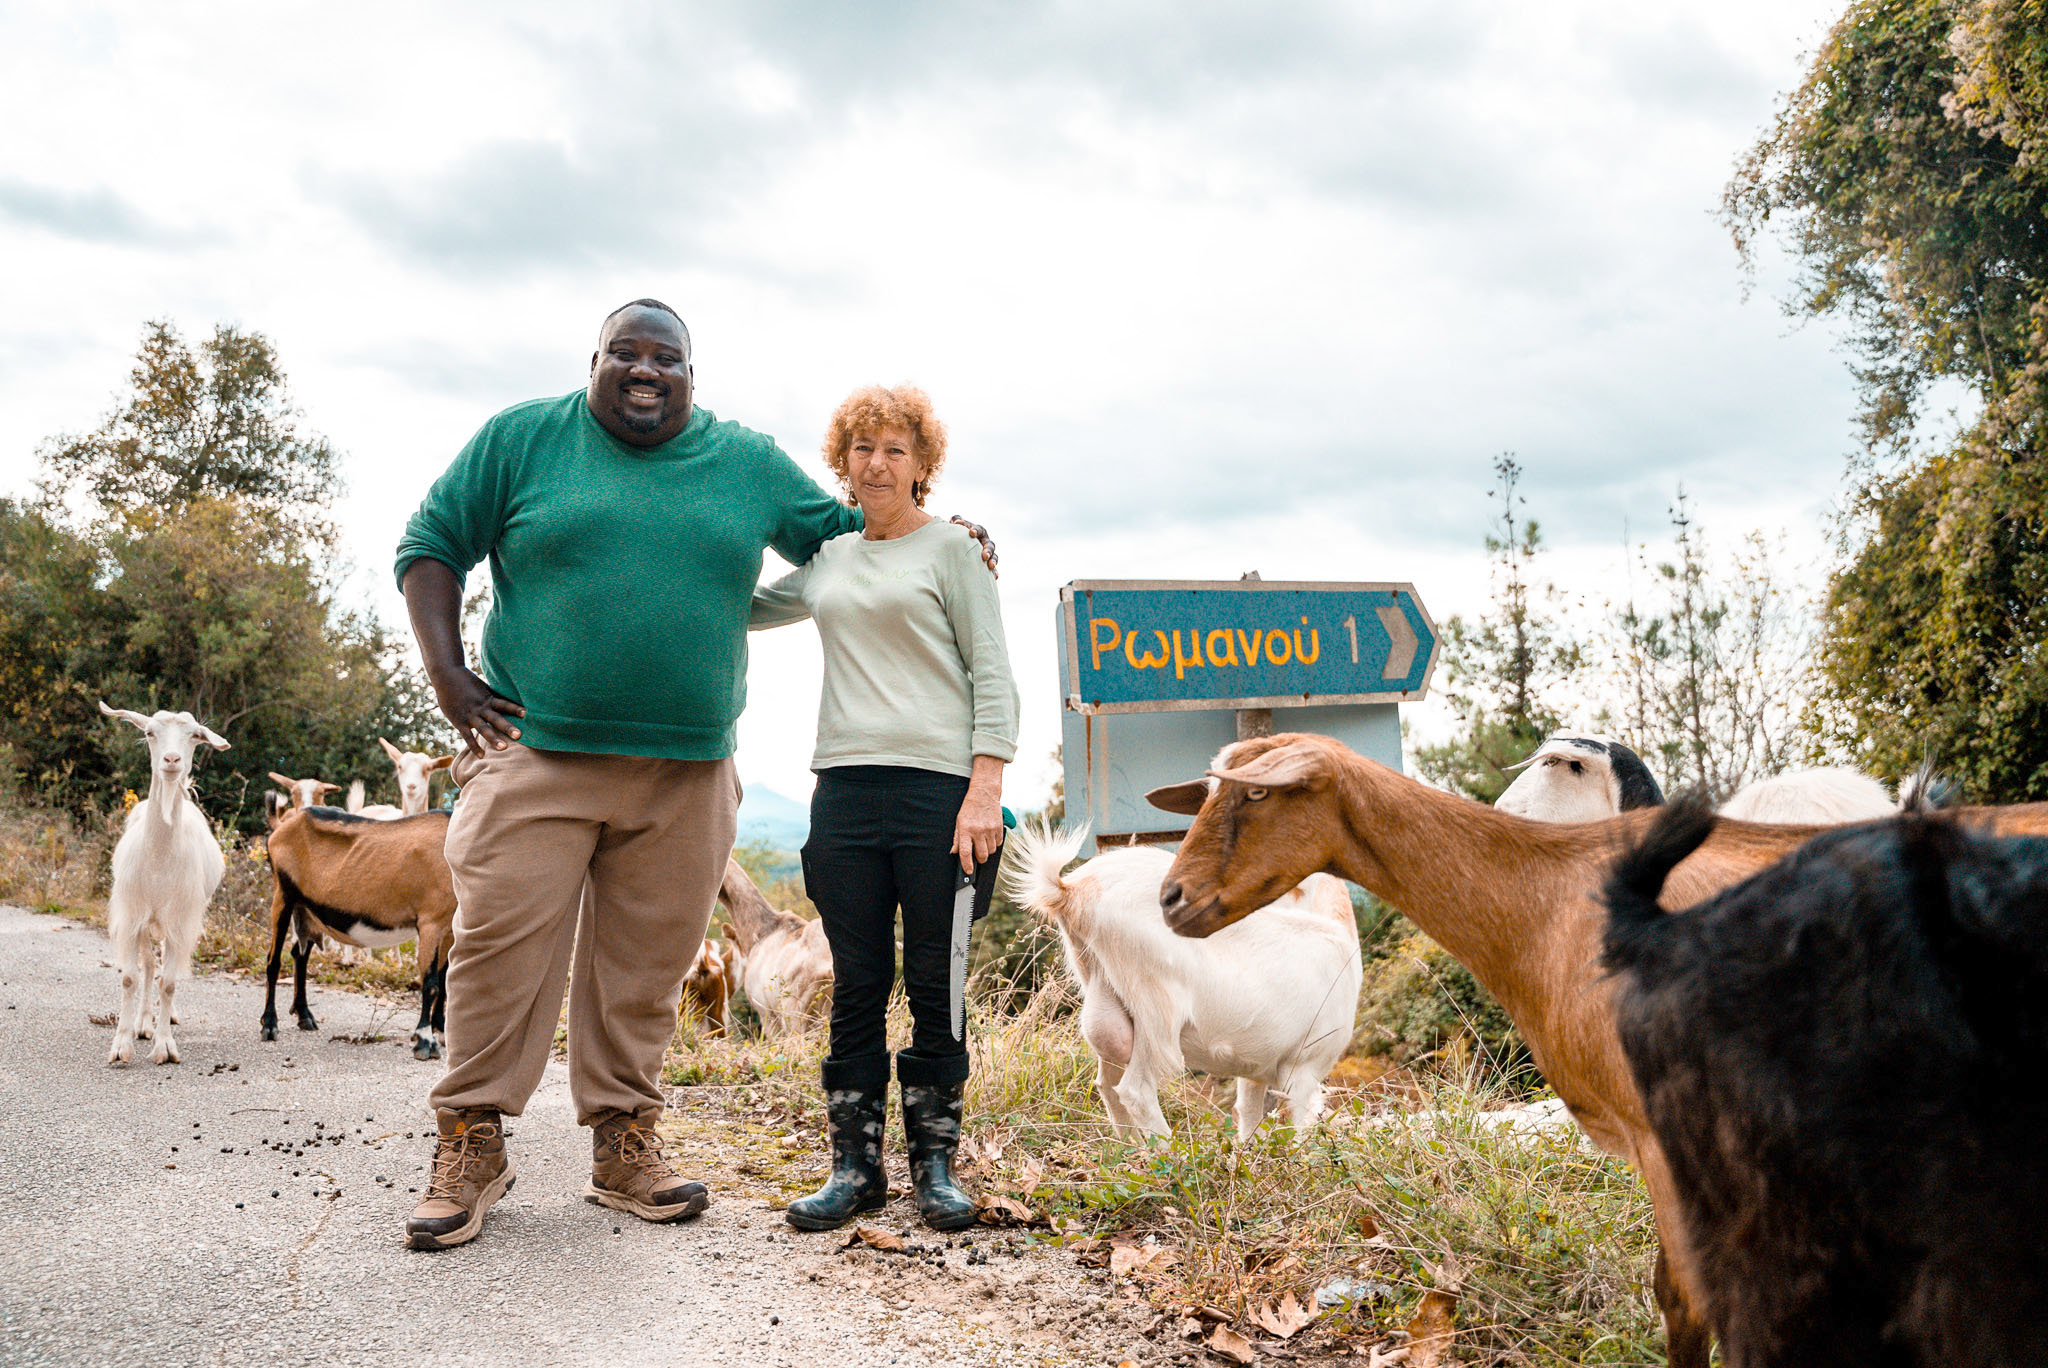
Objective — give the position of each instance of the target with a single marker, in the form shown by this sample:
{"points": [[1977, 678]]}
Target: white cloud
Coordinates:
{"points": [[1198, 287]]}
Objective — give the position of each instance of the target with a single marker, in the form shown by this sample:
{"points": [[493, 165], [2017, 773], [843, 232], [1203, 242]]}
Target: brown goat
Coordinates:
{"points": [[1516, 901], [363, 882], [707, 988], [304, 793]]}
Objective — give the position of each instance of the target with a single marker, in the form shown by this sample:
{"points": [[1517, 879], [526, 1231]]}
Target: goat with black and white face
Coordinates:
{"points": [[166, 867], [1580, 777], [1841, 1060]]}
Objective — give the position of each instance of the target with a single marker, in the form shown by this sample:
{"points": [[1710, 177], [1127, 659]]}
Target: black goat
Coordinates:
{"points": [[1842, 1059]]}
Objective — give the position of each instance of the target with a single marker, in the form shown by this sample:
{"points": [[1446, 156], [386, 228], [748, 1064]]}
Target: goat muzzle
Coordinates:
{"points": [[1185, 917]]}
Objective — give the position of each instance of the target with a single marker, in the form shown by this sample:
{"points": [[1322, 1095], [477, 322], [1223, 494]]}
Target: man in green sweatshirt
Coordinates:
{"points": [[624, 527]]}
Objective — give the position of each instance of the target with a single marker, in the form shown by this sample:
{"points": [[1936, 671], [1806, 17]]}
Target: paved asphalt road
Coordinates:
{"points": [[145, 1218]]}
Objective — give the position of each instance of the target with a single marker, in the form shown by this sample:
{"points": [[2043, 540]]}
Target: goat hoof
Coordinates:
{"points": [[306, 1023], [119, 1057], [270, 1032], [164, 1053], [425, 1049]]}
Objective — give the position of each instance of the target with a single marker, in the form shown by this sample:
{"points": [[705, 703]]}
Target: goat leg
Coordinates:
{"points": [[1251, 1107], [149, 957], [166, 1051], [301, 952], [1108, 1074], [1139, 1088], [1304, 1102], [425, 1042], [131, 997], [1686, 1337], [278, 924]]}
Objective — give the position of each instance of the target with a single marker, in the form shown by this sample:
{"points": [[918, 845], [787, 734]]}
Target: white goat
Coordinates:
{"points": [[415, 783], [1270, 1001], [1580, 777], [166, 866], [1811, 796], [785, 961]]}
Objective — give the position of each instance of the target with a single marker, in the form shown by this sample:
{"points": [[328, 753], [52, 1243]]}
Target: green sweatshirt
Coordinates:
{"points": [[916, 670], [620, 575]]}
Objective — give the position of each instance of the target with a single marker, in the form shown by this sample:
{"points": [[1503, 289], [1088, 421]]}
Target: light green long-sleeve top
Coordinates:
{"points": [[917, 673]]}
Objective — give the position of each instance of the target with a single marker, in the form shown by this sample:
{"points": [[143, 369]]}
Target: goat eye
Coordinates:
{"points": [[1252, 795]]}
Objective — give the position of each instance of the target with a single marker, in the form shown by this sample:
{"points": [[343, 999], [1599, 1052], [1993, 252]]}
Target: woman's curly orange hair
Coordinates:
{"points": [[872, 408]]}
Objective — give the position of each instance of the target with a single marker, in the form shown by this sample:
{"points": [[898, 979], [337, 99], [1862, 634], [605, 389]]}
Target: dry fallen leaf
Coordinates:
{"points": [[996, 1211], [1129, 1260], [1386, 1358], [1029, 1177], [1283, 1321], [981, 1150], [1227, 1343], [1430, 1330], [874, 1238]]}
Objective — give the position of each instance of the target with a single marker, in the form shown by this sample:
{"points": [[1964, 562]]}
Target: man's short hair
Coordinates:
{"points": [[647, 304]]}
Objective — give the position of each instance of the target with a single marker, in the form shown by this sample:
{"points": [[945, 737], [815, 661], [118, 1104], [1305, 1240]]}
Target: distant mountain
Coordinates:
{"points": [[765, 815]]}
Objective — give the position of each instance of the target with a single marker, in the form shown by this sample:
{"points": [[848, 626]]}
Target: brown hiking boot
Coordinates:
{"points": [[627, 1172], [470, 1173]]}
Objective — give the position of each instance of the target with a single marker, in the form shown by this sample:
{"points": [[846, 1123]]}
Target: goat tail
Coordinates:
{"points": [[1035, 858], [1636, 920], [355, 795], [1926, 790]]}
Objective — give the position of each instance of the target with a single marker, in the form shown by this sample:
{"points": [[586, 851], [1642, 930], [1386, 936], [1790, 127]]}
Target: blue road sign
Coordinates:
{"points": [[1161, 646]]}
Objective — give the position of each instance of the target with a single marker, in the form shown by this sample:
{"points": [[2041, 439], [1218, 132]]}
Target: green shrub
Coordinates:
{"points": [[1418, 1002]]}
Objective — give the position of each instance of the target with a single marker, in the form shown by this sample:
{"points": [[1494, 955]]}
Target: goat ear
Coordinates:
{"points": [[326, 787], [126, 716], [214, 739], [1286, 767], [390, 750], [440, 762], [1186, 799], [280, 780]]}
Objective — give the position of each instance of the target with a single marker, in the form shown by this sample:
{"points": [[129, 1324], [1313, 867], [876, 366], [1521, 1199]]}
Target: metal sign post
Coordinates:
{"points": [[1159, 675]]}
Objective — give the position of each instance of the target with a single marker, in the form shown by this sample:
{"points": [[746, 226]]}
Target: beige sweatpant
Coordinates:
{"points": [[640, 844]]}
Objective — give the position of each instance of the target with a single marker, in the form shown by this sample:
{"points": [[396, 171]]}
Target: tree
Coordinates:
{"points": [[1908, 171], [207, 593], [1502, 670], [218, 425], [1712, 686]]}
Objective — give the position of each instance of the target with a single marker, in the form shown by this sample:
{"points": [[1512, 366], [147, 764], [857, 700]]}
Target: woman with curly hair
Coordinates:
{"points": [[917, 719]]}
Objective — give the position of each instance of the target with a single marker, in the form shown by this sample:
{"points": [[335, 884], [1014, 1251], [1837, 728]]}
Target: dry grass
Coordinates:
{"points": [[1554, 1242]]}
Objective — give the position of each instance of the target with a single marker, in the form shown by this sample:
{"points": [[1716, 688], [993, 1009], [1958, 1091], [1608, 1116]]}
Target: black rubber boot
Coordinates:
{"points": [[855, 1112], [931, 1124]]}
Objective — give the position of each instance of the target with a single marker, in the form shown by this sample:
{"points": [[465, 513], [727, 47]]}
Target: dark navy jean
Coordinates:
{"points": [[880, 842]]}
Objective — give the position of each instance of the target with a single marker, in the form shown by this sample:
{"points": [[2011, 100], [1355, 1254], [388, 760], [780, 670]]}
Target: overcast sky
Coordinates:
{"points": [[1198, 288]]}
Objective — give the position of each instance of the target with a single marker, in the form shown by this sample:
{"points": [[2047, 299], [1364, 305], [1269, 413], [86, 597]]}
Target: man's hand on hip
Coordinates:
{"points": [[481, 718]]}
